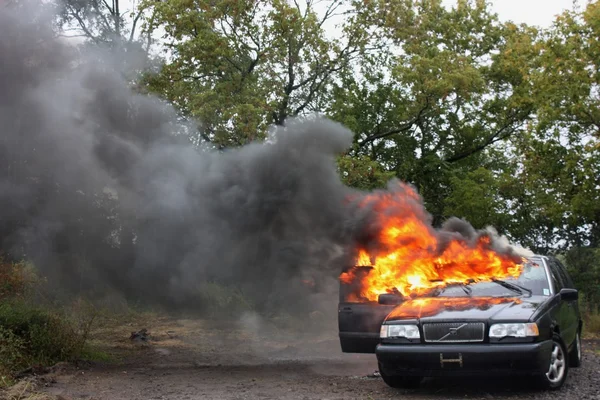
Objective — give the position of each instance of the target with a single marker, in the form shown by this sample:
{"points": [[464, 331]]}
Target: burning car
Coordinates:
{"points": [[527, 322]]}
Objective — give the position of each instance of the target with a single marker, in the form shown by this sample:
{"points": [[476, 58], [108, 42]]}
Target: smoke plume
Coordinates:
{"points": [[102, 188]]}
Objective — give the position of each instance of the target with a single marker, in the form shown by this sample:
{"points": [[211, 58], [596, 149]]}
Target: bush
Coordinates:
{"points": [[12, 350], [16, 279], [30, 335], [590, 315]]}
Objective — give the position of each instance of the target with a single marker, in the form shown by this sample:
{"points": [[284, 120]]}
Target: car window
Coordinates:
{"points": [[555, 274], [562, 270]]}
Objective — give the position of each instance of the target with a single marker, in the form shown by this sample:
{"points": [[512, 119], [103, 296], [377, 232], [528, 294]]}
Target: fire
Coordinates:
{"points": [[431, 306], [411, 257]]}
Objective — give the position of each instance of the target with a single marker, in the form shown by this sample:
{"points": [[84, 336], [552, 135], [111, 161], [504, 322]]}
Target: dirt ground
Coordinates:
{"points": [[196, 359]]}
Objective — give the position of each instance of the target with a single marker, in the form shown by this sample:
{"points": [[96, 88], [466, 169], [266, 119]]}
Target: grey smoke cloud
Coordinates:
{"points": [[99, 190], [101, 187]]}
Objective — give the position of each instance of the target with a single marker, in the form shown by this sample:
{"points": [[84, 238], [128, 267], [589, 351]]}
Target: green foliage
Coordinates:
{"points": [[430, 112], [37, 335], [16, 279], [476, 196], [591, 323], [32, 335], [239, 66], [583, 264], [590, 313], [12, 352], [363, 173]]}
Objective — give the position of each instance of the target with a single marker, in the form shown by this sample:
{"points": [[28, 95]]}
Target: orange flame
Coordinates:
{"points": [[431, 306], [411, 257]]}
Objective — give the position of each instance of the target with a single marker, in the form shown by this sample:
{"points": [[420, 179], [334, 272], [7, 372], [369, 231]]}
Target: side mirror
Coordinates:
{"points": [[390, 299], [569, 294]]}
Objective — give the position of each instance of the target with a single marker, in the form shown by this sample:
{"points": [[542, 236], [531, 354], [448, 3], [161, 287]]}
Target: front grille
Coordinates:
{"points": [[453, 332]]}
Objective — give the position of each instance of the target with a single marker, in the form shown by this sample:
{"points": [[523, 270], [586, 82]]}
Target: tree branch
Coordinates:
{"points": [[407, 126], [134, 24], [84, 28], [493, 138]]}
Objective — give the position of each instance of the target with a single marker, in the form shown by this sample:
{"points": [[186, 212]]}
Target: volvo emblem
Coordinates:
{"points": [[452, 331]]}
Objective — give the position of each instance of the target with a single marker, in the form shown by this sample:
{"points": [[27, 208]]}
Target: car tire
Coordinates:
{"points": [[399, 381], [575, 355], [558, 367]]}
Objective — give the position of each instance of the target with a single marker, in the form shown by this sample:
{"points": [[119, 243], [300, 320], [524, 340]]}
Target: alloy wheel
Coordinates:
{"points": [[556, 370]]}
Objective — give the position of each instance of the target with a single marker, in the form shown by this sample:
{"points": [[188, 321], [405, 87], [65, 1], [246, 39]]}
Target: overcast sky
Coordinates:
{"points": [[531, 12]]}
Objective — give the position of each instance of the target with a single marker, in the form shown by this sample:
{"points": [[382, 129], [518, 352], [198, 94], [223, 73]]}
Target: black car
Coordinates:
{"points": [[530, 325]]}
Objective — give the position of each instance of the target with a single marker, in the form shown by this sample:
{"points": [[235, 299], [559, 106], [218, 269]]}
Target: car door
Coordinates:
{"points": [[566, 315], [573, 304], [359, 321]]}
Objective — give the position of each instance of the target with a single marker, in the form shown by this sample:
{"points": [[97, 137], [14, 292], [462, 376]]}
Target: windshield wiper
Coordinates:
{"points": [[467, 289], [512, 286], [464, 286]]}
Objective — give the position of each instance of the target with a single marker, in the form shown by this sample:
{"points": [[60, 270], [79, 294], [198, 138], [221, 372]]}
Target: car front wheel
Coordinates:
{"points": [[399, 381], [558, 366]]}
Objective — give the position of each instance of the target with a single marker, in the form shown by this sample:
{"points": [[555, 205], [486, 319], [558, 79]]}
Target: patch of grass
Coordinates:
{"points": [[30, 335], [591, 317], [18, 280], [591, 324], [90, 353]]}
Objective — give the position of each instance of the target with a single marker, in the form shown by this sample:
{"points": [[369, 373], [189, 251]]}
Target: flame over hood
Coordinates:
{"points": [[410, 257], [431, 306]]}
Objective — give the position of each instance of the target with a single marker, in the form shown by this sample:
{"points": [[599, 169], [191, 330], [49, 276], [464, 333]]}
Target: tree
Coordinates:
{"points": [[584, 269], [240, 66], [560, 155], [448, 88], [103, 22]]}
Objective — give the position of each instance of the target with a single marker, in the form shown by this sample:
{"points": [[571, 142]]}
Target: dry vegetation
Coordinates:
{"points": [[33, 333]]}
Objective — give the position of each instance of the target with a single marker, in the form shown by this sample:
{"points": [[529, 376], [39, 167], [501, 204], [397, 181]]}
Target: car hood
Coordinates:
{"points": [[472, 308]]}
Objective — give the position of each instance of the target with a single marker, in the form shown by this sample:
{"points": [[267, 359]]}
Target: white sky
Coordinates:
{"points": [[531, 12]]}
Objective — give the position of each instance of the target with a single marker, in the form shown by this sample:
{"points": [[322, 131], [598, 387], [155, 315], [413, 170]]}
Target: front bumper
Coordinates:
{"points": [[464, 359]]}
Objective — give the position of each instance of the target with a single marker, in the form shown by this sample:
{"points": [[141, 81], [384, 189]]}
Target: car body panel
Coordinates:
{"points": [[359, 325]]}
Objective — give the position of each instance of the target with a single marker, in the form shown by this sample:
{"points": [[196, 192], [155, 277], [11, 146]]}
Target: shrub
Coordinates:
{"points": [[16, 279], [12, 353], [590, 315], [31, 335]]}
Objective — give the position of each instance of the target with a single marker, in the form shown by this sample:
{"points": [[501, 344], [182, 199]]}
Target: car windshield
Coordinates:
{"points": [[533, 281]]}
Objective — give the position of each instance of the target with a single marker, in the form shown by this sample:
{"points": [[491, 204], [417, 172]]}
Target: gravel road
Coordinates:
{"points": [[192, 361]]}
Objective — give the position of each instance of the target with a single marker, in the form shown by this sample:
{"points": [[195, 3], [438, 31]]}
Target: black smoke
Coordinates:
{"points": [[102, 188]]}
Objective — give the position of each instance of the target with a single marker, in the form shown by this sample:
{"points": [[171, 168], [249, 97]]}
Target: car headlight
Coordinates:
{"points": [[514, 330], [400, 331]]}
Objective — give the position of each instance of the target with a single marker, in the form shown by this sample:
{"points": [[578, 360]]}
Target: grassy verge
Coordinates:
{"points": [[591, 324], [590, 314], [34, 336], [37, 335]]}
